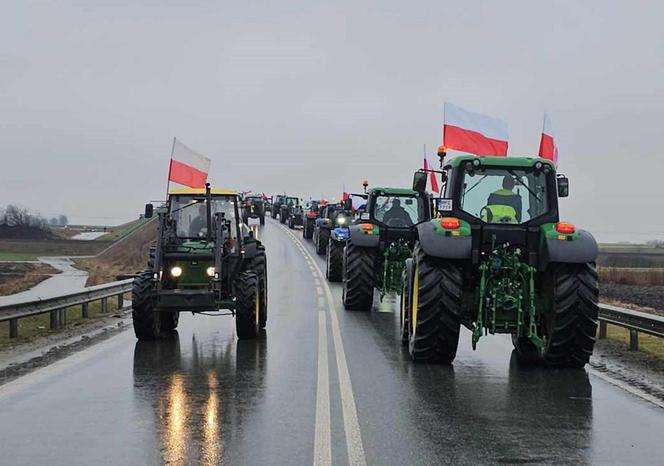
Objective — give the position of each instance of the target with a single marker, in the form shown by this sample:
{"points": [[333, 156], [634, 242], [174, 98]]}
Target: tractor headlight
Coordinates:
{"points": [[176, 271], [210, 271], [341, 220]]}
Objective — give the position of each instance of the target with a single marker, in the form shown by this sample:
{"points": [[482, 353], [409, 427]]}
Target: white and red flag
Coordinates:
{"points": [[434, 181], [548, 148], [474, 133], [344, 194], [188, 167]]}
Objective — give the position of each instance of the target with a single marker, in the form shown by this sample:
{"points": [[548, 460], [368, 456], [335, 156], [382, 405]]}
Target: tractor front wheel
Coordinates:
{"points": [[247, 310], [404, 311], [435, 309], [334, 260], [169, 320], [358, 278], [147, 324], [308, 230], [322, 238], [571, 325]]}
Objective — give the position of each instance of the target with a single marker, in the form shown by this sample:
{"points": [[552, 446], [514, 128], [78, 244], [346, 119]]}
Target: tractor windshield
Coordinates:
{"points": [[398, 211], [190, 216], [502, 195], [293, 201]]}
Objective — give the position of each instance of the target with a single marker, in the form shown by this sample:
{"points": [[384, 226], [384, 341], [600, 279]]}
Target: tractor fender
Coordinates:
{"points": [[444, 247], [583, 249], [360, 238]]}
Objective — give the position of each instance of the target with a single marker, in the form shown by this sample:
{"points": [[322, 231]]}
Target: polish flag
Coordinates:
{"points": [[434, 181], [474, 133], [187, 167], [344, 194], [548, 149]]}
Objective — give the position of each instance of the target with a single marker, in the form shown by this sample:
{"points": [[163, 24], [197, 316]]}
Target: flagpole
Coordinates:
{"points": [[170, 164]]}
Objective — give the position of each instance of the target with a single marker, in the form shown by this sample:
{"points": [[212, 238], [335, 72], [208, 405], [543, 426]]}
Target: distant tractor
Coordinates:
{"points": [[331, 217], [291, 212], [310, 213], [380, 242], [253, 207], [205, 261], [275, 208], [499, 260]]}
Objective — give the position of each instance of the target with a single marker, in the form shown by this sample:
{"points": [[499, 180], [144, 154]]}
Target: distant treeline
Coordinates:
{"points": [[19, 222]]}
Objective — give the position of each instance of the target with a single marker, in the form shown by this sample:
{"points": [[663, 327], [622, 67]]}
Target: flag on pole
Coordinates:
{"points": [[548, 149], [344, 194], [434, 181], [474, 133], [188, 167]]}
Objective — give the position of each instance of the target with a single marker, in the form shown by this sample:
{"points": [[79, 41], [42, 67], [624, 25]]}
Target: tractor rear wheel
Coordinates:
{"points": [[571, 325], [308, 230], [435, 309], [358, 278], [147, 324], [291, 222], [262, 221], [322, 238], [247, 310], [334, 260], [169, 320], [258, 265]]}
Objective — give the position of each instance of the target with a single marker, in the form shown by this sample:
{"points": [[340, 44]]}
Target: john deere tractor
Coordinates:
{"points": [[380, 242], [498, 259], [205, 261], [290, 212]]}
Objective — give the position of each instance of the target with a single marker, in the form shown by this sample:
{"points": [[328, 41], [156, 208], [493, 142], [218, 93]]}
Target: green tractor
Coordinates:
{"points": [[206, 260], [380, 242], [498, 260], [275, 207]]}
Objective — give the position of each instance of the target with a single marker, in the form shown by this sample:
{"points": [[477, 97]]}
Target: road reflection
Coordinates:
{"points": [[200, 393]]}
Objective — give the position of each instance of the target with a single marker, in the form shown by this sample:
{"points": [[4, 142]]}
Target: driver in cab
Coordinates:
{"points": [[397, 215], [198, 225], [504, 205]]}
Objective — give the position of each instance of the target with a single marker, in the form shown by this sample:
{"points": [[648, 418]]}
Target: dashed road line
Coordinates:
{"points": [[354, 445]]}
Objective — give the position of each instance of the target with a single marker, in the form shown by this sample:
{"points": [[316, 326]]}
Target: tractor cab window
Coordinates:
{"points": [[499, 195], [190, 215], [293, 201], [398, 211]]}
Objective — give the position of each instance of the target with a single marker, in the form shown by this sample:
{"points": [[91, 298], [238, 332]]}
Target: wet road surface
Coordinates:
{"points": [[321, 383]]}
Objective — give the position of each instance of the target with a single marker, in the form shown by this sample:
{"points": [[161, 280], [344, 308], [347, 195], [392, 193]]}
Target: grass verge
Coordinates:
{"points": [[16, 277]]}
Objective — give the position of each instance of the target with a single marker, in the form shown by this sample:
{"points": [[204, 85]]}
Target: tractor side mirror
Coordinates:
{"points": [[348, 204], [563, 186], [420, 181], [149, 211]]}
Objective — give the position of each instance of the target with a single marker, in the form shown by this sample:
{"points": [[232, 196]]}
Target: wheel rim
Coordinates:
{"points": [[415, 293]]}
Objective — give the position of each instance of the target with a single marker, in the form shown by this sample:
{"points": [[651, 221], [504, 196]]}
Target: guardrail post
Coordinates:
{"points": [[633, 340], [84, 310], [602, 329], [120, 301], [54, 319], [104, 305], [13, 328], [62, 317]]}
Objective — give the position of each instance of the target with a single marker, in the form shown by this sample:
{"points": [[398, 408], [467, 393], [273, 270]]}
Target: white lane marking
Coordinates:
{"points": [[321, 301], [627, 387], [323, 431], [316, 281], [354, 444], [319, 290]]}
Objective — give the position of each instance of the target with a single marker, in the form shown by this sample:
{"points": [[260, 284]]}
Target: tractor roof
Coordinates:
{"points": [[396, 191], [201, 191], [515, 162]]}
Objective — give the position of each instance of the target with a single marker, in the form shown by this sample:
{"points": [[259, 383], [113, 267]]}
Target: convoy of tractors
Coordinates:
{"points": [[488, 252]]}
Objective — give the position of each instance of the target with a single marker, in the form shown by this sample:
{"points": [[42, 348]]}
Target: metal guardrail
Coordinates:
{"points": [[57, 306], [634, 321]]}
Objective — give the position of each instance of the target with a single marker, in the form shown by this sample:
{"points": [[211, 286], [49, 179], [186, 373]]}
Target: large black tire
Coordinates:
{"points": [[258, 265], [273, 213], [169, 320], [435, 313], [334, 260], [291, 222], [322, 238], [247, 305], [147, 323], [525, 350], [282, 218], [571, 326], [308, 230], [358, 278], [262, 221]]}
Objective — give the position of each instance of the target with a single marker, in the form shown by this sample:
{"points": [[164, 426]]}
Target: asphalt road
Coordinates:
{"points": [[321, 384]]}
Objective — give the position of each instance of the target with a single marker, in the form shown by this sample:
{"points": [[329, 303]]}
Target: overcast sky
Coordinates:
{"points": [[304, 96]]}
